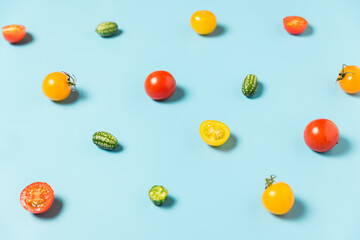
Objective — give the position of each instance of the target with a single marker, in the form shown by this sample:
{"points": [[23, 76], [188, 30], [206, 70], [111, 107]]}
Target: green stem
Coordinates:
{"points": [[71, 79], [269, 181], [343, 73]]}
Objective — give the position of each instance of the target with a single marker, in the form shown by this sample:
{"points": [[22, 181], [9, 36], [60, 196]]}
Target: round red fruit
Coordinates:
{"points": [[321, 135], [160, 85]]}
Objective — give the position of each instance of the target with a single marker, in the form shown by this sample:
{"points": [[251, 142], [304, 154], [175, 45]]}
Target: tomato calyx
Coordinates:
{"points": [[71, 80], [343, 73], [269, 181]]}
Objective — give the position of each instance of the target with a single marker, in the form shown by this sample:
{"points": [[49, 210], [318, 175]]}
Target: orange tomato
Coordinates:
{"points": [[57, 85], [278, 198], [14, 33], [203, 22], [349, 79]]}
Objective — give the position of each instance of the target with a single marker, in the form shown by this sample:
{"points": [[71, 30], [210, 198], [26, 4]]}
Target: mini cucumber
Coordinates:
{"points": [[105, 140], [158, 195], [107, 29], [250, 85]]}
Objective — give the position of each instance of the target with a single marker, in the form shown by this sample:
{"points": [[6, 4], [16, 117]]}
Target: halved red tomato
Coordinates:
{"points": [[14, 33], [37, 197], [295, 25]]}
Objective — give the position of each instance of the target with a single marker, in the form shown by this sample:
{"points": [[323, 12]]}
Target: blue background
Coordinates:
{"points": [[215, 193]]}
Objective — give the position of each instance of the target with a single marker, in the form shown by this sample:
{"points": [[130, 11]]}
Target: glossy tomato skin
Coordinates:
{"points": [[321, 135], [203, 22], [349, 79], [160, 85], [56, 86], [278, 198], [37, 197], [295, 25], [214, 133], [14, 33]]}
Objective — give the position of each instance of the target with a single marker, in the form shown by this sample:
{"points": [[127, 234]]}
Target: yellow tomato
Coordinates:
{"points": [[214, 133], [203, 22], [278, 198], [349, 79], [57, 85]]}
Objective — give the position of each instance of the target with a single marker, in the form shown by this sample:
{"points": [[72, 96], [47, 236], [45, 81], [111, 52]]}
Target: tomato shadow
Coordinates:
{"points": [[259, 91], [219, 30], [178, 95], [169, 203], [341, 148], [297, 212], [27, 39], [229, 145], [73, 97], [118, 149], [118, 33], [354, 94], [54, 210], [309, 31]]}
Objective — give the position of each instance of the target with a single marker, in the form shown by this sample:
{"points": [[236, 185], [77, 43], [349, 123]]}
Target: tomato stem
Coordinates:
{"points": [[71, 80], [269, 181], [343, 73]]}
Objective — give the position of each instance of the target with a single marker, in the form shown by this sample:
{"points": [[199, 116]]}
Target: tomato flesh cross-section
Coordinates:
{"points": [[214, 133], [37, 197]]}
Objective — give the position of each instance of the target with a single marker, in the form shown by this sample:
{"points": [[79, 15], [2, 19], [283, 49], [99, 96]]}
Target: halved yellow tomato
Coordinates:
{"points": [[214, 133]]}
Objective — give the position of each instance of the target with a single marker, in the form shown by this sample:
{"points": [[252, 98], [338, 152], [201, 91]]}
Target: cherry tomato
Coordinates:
{"points": [[203, 22], [321, 135], [214, 133], [57, 85], [349, 79], [14, 33], [295, 25], [37, 197], [160, 85], [278, 198]]}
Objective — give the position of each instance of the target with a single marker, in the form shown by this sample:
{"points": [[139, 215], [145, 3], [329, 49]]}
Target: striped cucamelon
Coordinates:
{"points": [[105, 140], [250, 85], [107, 29], [158, 195]]}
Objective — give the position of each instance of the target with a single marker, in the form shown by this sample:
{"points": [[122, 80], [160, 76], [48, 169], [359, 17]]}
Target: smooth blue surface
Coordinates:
{"points": [[215, 192]]}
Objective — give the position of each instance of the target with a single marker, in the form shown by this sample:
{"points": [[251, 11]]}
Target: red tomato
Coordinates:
{"points": [[321, 135], [37, 197], [160, 85], [14, 33], [295, 25]]}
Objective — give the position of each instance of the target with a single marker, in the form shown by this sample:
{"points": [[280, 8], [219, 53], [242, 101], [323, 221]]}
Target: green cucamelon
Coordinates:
{"points": [[158, 195], [250, 85], [105, 140], [107, 29]]}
